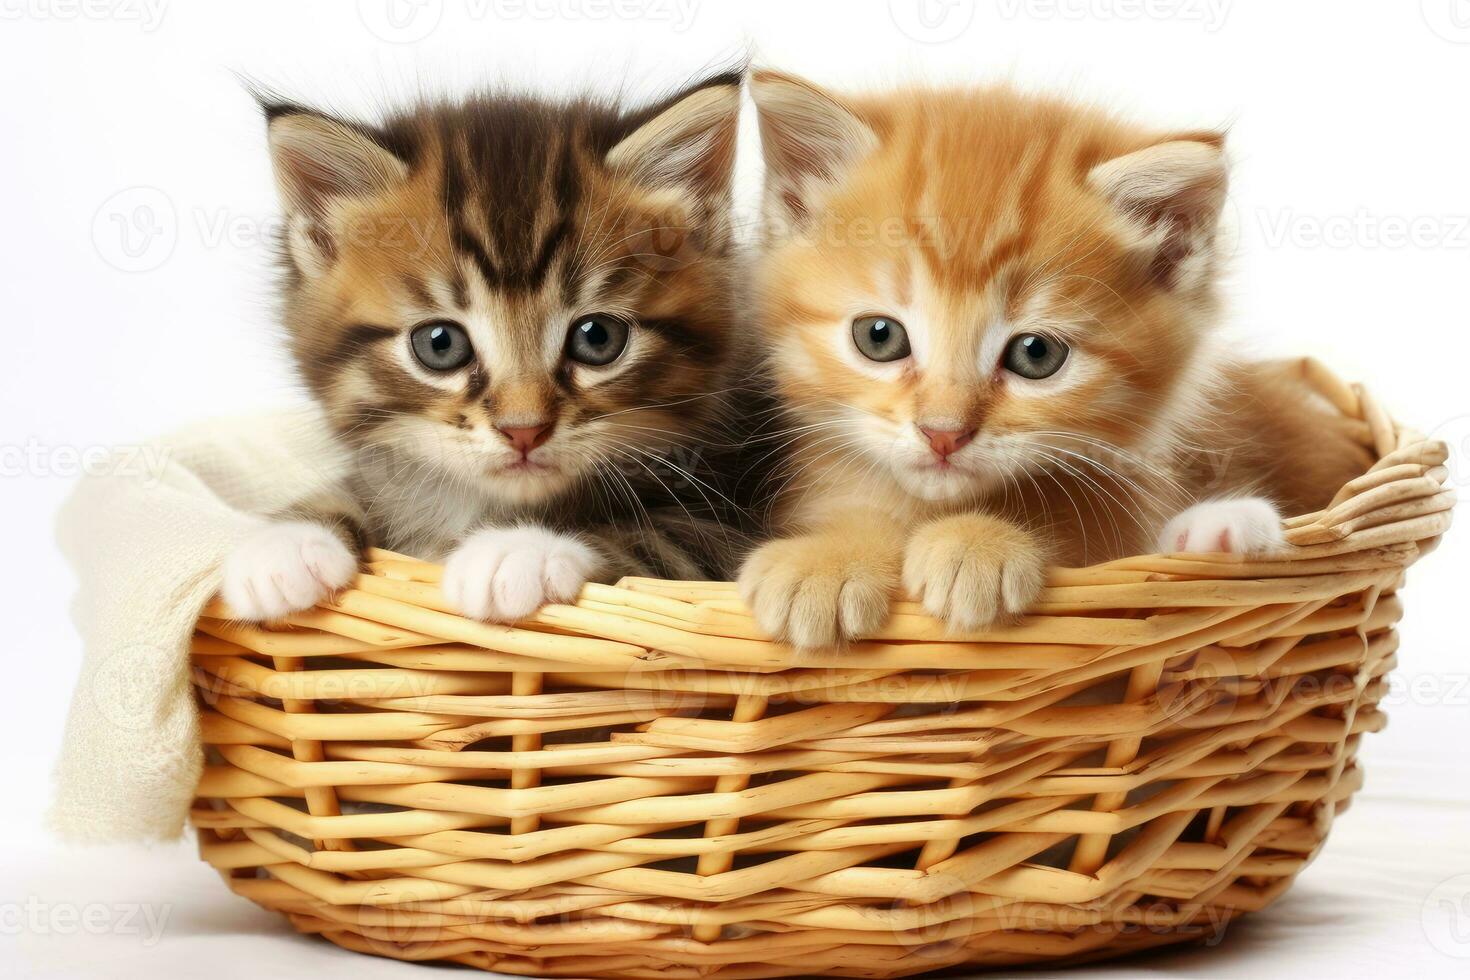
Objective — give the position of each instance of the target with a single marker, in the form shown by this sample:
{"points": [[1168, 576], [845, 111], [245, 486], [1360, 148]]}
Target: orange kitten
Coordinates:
{"points": [[989, 320]]}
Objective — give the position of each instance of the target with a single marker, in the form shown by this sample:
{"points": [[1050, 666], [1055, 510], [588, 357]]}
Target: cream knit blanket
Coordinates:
{"points": [[146, 542]]}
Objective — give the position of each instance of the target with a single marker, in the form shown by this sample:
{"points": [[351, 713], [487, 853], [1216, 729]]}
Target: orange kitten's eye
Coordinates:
{"points": [[880, 338], [1034, 357], [597, 339], [441, 345]]}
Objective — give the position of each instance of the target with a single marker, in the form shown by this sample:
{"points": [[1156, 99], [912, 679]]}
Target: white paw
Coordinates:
{"points": [[506, 574], [1242, 526], [284, 568]]}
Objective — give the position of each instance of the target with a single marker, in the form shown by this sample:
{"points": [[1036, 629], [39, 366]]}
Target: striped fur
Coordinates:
{"points": [[514, 217]]}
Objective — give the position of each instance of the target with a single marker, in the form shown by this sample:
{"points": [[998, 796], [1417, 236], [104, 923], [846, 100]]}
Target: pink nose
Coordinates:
{"points": [[524, 438], [947, 441]]}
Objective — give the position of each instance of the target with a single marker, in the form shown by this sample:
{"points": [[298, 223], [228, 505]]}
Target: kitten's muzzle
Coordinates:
{"points": [[946, 442], [525, 438]]}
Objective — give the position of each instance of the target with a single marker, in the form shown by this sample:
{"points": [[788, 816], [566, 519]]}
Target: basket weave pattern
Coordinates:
{"points": [[641, 785]]}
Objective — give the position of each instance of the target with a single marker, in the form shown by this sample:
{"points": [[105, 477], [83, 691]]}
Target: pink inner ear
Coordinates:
{"points": [[1225, 540], [1181, 541]]}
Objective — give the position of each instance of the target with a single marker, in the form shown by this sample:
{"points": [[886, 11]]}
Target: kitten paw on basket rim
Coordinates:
{"points": [[506, 574], [284, 568], [1237, 526], [971, 570], [821, 590]]}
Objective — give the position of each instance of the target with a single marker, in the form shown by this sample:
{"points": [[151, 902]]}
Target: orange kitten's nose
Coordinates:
{"points": [[947, 441], [524, 438]]}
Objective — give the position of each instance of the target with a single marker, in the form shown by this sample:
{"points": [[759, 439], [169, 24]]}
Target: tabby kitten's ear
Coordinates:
{"points": [[319, 162], [687, 143], [809, 139], [1170, 196]]}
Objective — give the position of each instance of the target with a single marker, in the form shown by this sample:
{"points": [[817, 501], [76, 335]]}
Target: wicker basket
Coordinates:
{"points": [[639, 785]]}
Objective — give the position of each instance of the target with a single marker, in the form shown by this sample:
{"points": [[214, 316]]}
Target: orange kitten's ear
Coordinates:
{"points": [[319, 161], [809, 139], [1171, 194], [687, 142]]}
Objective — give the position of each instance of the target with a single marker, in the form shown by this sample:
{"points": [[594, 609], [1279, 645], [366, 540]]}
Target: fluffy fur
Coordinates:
{"points": [[508, 222], [976, 218]]}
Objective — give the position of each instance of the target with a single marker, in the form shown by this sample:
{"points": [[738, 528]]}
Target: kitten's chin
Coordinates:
{"points": [[526, 485], [939, 482]]}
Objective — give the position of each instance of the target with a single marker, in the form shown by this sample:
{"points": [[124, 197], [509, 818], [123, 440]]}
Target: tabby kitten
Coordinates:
{"points": [[516, 317], [988, 316]]}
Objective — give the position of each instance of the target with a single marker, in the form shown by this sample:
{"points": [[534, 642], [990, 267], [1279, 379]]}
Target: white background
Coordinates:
{"points": [[1348, 124]]}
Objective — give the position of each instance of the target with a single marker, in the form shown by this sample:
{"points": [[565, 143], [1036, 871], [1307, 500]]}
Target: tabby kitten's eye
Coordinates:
{"points": [[880, 338], [1034, 357], [597, 339], [442, 346]]}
